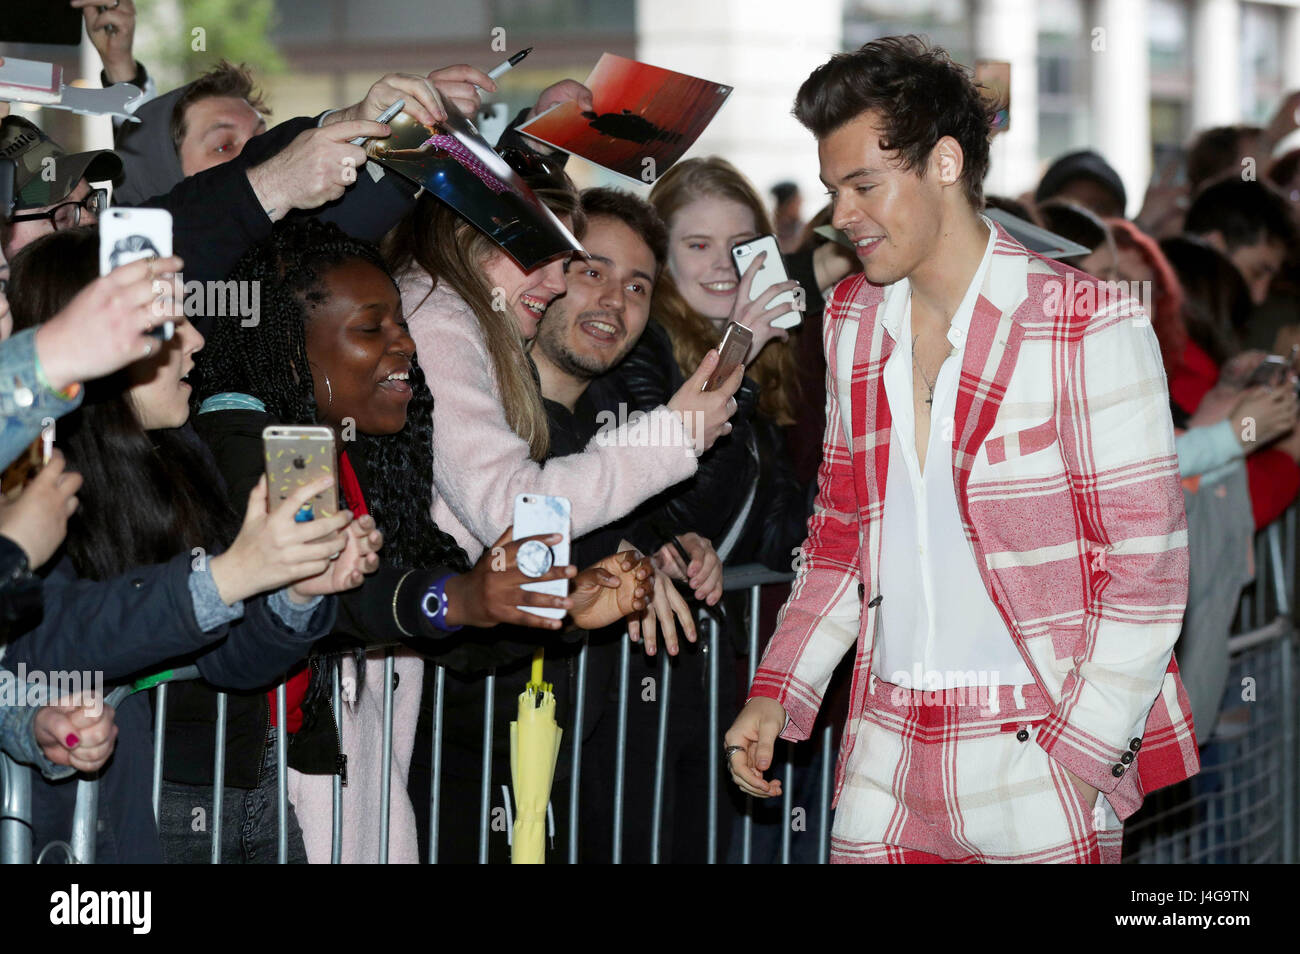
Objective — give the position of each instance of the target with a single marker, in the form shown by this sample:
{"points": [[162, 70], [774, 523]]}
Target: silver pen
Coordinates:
{"points": [[383, 117]]}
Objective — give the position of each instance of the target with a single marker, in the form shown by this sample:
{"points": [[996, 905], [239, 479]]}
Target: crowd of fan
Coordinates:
{"points": [[146, 541]]}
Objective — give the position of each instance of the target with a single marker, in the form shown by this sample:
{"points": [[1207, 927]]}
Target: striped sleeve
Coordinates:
{"points": [[1118, 442], [819, 622]]}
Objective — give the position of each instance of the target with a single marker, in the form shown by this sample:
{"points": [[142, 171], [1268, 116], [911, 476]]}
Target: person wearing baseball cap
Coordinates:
{"points": [[51, 186], [1087, 179]]}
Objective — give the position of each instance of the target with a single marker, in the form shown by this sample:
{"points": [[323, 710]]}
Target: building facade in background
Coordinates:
{"points": [[1131, 78]]}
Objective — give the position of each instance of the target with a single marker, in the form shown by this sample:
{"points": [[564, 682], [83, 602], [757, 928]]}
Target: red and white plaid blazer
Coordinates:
{"points": [[1067, 478]]}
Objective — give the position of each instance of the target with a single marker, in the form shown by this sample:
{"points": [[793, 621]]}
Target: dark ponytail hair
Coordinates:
{"points": [[146, 495]]}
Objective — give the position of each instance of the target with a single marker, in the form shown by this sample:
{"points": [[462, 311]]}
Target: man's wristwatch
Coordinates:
{"points": [[434, 604]]}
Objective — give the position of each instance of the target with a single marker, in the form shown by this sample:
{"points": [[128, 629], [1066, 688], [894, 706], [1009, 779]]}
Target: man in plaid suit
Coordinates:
{"points": [[1015, 600]]}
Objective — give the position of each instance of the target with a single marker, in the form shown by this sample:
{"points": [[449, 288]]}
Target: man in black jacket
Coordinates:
{"points": [[303, 164], [217, 215]]}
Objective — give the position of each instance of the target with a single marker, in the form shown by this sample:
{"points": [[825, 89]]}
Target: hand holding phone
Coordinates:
{"points": [[274, 549], [128, 235], [295, 457], [731, 354], [706, 412], [764, 255], [536, 514], [1270, 372]]}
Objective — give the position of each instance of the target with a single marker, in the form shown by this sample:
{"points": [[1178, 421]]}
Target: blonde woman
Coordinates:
{"points": [[709, 207]]}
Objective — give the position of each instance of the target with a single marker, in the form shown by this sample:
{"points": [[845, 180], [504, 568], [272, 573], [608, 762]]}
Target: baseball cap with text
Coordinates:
{"points": [[45, 173]]}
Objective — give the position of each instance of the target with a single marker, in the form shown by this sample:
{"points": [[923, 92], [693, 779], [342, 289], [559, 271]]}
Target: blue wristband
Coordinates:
{"points": [[434, 604]]}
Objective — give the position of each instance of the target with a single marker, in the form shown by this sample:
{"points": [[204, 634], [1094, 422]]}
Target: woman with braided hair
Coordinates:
{"points": [[330, 347]]}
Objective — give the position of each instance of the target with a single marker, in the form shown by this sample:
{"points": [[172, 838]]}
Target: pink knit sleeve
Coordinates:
{"points": [[481, 464]]}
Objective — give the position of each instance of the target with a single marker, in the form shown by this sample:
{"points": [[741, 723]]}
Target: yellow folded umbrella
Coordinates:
{"points": [[534, 749]]}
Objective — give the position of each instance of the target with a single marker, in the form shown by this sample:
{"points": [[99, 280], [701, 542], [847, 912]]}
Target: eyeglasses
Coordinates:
{"points": [[67, 215]]}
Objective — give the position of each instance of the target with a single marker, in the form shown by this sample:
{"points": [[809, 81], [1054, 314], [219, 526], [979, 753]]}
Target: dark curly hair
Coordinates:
{"points": [[634, 212], [920, 94], [269, 361]]}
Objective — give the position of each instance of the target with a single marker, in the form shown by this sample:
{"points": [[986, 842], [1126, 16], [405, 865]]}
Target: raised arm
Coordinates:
{"points": [[480, 463]]}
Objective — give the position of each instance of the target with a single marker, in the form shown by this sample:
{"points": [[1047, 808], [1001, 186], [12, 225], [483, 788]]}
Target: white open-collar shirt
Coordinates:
{"points": [[938, 627]]}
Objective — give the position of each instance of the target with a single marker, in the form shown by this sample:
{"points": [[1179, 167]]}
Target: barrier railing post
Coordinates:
{"points": [[575, 766], [1278, 569], [386, 782], [1288, 560], [1259, 605], [747, 822], [828, 777], [16, 813], [620, 749], [336, 788], [85, 821], [787, 804], [435, 765], [485, 792], [711, 855], [281, 777], [218, 777], [661, 750], [159, 740], [1289, 793]]}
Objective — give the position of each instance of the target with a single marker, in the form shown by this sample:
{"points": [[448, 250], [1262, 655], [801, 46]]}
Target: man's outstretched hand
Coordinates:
{"points": [[755, 730]]}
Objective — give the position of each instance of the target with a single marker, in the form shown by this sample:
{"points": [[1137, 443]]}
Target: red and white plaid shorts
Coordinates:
{"points": [[957, 777]]}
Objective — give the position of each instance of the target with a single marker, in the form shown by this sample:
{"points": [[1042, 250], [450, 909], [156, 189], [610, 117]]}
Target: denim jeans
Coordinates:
{"points": [[249, 818]]}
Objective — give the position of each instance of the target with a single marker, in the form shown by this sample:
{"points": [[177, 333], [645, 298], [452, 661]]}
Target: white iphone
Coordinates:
{"points": [[538, 514], [772, 272], [128, 235]]}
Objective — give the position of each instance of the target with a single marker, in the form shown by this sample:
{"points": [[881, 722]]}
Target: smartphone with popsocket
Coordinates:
{"points": [[771, 272], [539, 514], [731, 352], [128, 235], [295, 457]]}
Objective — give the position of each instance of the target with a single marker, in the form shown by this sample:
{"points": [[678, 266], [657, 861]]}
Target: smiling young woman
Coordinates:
{"points": [[709, 206], [473, 313], [127, 595], [332, 347]]}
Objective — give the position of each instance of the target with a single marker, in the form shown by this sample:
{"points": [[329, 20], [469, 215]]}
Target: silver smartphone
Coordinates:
{"points": [[296, 456], [772, 272]]}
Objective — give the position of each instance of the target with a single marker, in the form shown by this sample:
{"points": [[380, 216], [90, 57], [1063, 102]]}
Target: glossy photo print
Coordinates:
{"points": [[456, 164], [645, 118]]}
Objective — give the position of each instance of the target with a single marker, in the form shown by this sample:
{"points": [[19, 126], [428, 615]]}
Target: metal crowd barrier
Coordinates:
{"points": [[1242, 807]]}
